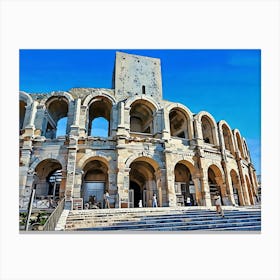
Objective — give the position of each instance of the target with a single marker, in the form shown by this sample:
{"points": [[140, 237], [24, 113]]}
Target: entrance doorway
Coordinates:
{"points": [[93, 188], [136, 194]]}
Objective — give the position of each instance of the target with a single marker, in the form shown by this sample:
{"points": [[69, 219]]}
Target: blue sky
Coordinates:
{"points": [[226, 83]]}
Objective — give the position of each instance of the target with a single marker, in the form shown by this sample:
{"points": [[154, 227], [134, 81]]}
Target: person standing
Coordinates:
{"points": [[218, 204], [106, 200], [154, 201]]}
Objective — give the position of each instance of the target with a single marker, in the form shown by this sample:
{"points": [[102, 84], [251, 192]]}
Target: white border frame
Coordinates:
{"points": [[163, 24]]}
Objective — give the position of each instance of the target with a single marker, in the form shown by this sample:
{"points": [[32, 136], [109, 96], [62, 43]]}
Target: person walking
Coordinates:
{"points": [[218, 203], [154, 201], [106, 200]]}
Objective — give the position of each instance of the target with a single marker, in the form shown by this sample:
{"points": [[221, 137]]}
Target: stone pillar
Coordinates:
{"points": [[170, 179], [113, 189], [83, 122], [205, 191], [30, 127], [198, 195], [77, 184], [166, 125], [158, 177], [62, 184], [229, 190], [71, 168], [40, 122], [123, 186], [74, 128], [242, 180], [122, 129]]}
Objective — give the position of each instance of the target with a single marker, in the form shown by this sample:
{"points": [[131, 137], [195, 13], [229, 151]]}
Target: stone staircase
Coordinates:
{"points": [[164, 219]]}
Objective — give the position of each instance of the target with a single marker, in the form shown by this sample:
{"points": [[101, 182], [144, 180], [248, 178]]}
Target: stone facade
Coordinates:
{"points": [[152, 146]]}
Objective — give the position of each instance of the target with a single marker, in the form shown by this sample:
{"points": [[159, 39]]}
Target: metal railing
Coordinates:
{"points": [[54, 217]]}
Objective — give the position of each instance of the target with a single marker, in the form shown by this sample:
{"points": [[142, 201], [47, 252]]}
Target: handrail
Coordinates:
{"points": [[54, 217]]}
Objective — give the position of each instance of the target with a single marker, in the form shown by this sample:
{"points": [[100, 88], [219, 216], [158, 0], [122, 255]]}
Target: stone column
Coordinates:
{"points": [[83, 122], [242, 180], [29, 129], [170, 179], [113, 189], [74, 128], [166, 125], [40, 122], [198, 195], [71, 168], [77, 184], [122, 129], [158, 177], [123, 186]]}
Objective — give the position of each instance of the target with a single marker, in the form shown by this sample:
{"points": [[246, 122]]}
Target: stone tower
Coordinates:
{"points": [[136, 75]]}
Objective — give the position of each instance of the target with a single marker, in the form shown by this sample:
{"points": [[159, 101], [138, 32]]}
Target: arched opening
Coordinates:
{"points": [[22, 111], [142, 183], [207, 130], [178, 124], [48, 179], [215, 181], [61, 129], [236, 188], [246, 151], [239, 144], [56, 117], [250, 192], [95, 181], [228, 139], [99, 127], [142, 117], [98, 115], [184, 186]]}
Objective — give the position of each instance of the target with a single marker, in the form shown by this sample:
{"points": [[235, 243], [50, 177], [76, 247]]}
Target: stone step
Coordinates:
{"points": [[200, 213], [175, 227], [161, 223], [164, 219]]}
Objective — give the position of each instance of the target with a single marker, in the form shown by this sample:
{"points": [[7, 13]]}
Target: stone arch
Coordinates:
{"points": [[95, 179], [236, 187], [146, 98], [247, 152], [146, 157], [216, 182], [226, 134], [183, 182], [184, 121], [209, 131], [238, 141], [99, 106], [93, 155], [88, 99], [249, 189], [57, 108], [142, 116], [44, 171], [25, 102], [25, 97], [143, 181]]}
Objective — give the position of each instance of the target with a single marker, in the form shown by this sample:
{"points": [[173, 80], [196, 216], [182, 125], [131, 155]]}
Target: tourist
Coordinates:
{"points": [[106, 200], [218, 204], [154, 202], [140, 205]]}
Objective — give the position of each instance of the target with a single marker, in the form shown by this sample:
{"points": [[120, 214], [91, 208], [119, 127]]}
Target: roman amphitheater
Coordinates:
{"points": [[152, 146]]}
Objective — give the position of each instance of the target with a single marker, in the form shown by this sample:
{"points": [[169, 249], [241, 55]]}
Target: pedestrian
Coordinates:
{"points": [[106, 199], [154, 201], [140, 203], [218, 204]]}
